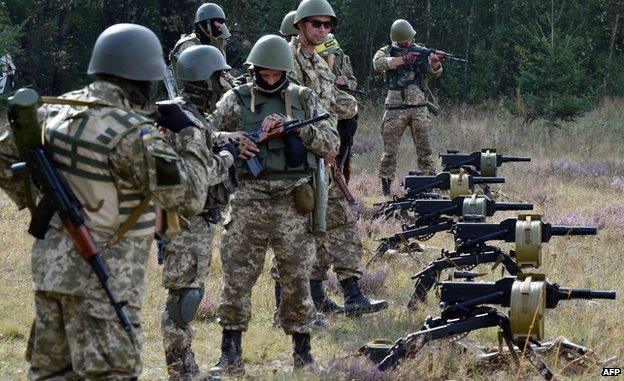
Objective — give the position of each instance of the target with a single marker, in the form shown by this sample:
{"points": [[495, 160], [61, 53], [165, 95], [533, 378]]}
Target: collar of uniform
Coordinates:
{"points": [[108, 93], [314, 57]]}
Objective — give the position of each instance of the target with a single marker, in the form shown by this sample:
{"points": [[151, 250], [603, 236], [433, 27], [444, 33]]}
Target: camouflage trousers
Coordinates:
{"points": [[393, 125], [186, 265], [253, 226], [77, 338], [341, 246]]}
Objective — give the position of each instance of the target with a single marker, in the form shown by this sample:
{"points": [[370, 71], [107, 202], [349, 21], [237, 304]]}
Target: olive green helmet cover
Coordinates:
{"points": [[401, 30], [288, 28], [209, 11], [128, 51], [309, 8], [198, 63], [271, 52]]}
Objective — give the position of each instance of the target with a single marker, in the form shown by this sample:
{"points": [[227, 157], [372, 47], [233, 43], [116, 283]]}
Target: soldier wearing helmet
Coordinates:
{"points": [[270, 209], [341, 247], [119, 167], [189, 252], [406, 104]]}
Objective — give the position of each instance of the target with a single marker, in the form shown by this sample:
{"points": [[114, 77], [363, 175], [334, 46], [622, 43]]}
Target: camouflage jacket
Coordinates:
{"points": [[320, 138], [343, 67], [128, 158], [414, 95]]}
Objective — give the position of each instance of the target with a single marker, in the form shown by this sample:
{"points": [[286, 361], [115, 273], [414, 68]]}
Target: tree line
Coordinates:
{"points": [[549, 59]]}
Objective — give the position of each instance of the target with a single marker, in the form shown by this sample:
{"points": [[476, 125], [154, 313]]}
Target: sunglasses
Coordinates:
{"points": [[317, 24]]}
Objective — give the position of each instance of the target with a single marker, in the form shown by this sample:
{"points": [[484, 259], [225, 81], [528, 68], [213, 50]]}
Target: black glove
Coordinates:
{"points": [[231, 146], [173, 118]]}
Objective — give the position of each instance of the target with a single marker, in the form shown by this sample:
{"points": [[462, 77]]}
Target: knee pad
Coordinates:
{"points": [[183, 309]]}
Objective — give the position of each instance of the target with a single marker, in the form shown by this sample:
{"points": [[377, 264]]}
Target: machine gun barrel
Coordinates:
{"points": [[487, 180], [581, 293], [571, 230], [514, 159], [511, 206]]}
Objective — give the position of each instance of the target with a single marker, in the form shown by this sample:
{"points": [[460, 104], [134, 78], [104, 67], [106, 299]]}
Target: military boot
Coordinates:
{"points": [[231, 361], [322, 302], [319, 318], [181, 365], [301, 354], [385, 186], [356, 303]]}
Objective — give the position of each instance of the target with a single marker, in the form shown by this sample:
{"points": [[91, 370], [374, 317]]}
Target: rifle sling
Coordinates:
{"points": [[72, 102], [137, 212]]}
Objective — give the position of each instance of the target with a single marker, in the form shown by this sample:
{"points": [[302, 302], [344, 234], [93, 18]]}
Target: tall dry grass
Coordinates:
{"points": [[576, 177]]}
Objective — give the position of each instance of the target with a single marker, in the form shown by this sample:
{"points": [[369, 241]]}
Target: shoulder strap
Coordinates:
{"points": [[73, 102], [137, 212]]}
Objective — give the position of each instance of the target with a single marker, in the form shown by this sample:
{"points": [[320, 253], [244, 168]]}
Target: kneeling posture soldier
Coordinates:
{"points": [[270, 209]]}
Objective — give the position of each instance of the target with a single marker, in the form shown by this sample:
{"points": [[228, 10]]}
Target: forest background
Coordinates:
{"points": [[539, 59]]}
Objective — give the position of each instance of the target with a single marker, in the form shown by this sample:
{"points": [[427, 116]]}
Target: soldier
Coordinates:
{"points": [[188, 254], [209, 28], [341, 246], [269, 209], [115, 161], [340, 64], [406, 103]]}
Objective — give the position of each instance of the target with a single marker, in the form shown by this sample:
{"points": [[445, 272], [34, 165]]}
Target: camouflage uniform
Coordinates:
{"points": [[263, 213], [187, 258], [186, 41], [341, 245], [404, 107], [112, 157]]}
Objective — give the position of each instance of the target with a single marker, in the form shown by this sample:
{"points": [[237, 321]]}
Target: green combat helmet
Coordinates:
{"points": [[309, 8], [401, 30], [271, 52], [328, 47], [128, 51], [199, 63], [287, 28], [209, 11]]}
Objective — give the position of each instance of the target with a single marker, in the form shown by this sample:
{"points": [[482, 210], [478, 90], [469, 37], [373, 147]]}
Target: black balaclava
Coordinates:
{"points": [[265, 87], [207, 31]]}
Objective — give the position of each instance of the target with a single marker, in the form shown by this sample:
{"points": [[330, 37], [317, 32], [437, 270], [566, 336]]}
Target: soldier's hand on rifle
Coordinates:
{"points": [[273, 124], [435, 60], [341, 81], [246, 148], [173, 118], [410, 58], [331, 157]]}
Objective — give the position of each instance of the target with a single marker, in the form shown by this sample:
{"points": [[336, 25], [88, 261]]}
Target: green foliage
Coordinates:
{"points": [[9, 33]]}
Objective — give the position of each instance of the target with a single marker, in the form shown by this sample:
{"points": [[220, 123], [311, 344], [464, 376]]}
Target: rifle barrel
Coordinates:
{"points": [[580, 293], [568, 230]]}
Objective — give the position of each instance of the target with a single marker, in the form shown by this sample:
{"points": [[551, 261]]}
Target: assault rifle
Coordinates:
{"points": [[527, 296], [260, 137], [434, 216], [170, 83], [57, 196], [424, 53], [481, 163]]}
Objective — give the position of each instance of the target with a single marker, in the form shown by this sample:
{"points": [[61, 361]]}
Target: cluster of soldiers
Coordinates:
{"points": [[127, 162]]}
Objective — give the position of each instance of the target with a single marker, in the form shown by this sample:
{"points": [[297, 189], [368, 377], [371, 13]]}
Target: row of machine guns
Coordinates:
{"points": [[467, 305]]}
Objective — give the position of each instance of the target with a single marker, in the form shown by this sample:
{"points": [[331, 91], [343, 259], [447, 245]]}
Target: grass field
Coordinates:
{"points": [[576, 177]]}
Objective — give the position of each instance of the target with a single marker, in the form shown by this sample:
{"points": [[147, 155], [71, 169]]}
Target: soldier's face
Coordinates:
{"points": [[271, 77], [406, 44], [316, 28]]}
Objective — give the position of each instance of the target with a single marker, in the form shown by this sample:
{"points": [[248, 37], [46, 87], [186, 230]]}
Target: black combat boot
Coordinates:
{"points": [[319, 318], [357, 303], [385, 186], [231, 361], [301, 354], [321, 301], [181, 364]]}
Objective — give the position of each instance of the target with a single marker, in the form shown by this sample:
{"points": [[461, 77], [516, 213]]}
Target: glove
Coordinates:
{"points": [[231, 147], [173, 118]]}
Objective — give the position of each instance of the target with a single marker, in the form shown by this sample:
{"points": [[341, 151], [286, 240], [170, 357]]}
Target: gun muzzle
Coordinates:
{"points": [[568, 230], [512, 206], [515, 159], [579, 293], [488, 180]]}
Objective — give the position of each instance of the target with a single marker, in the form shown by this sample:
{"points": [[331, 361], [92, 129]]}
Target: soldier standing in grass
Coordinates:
{"points": [[188, 255], [267, 210], [406, 103], [117, 163], [341, 246]]}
